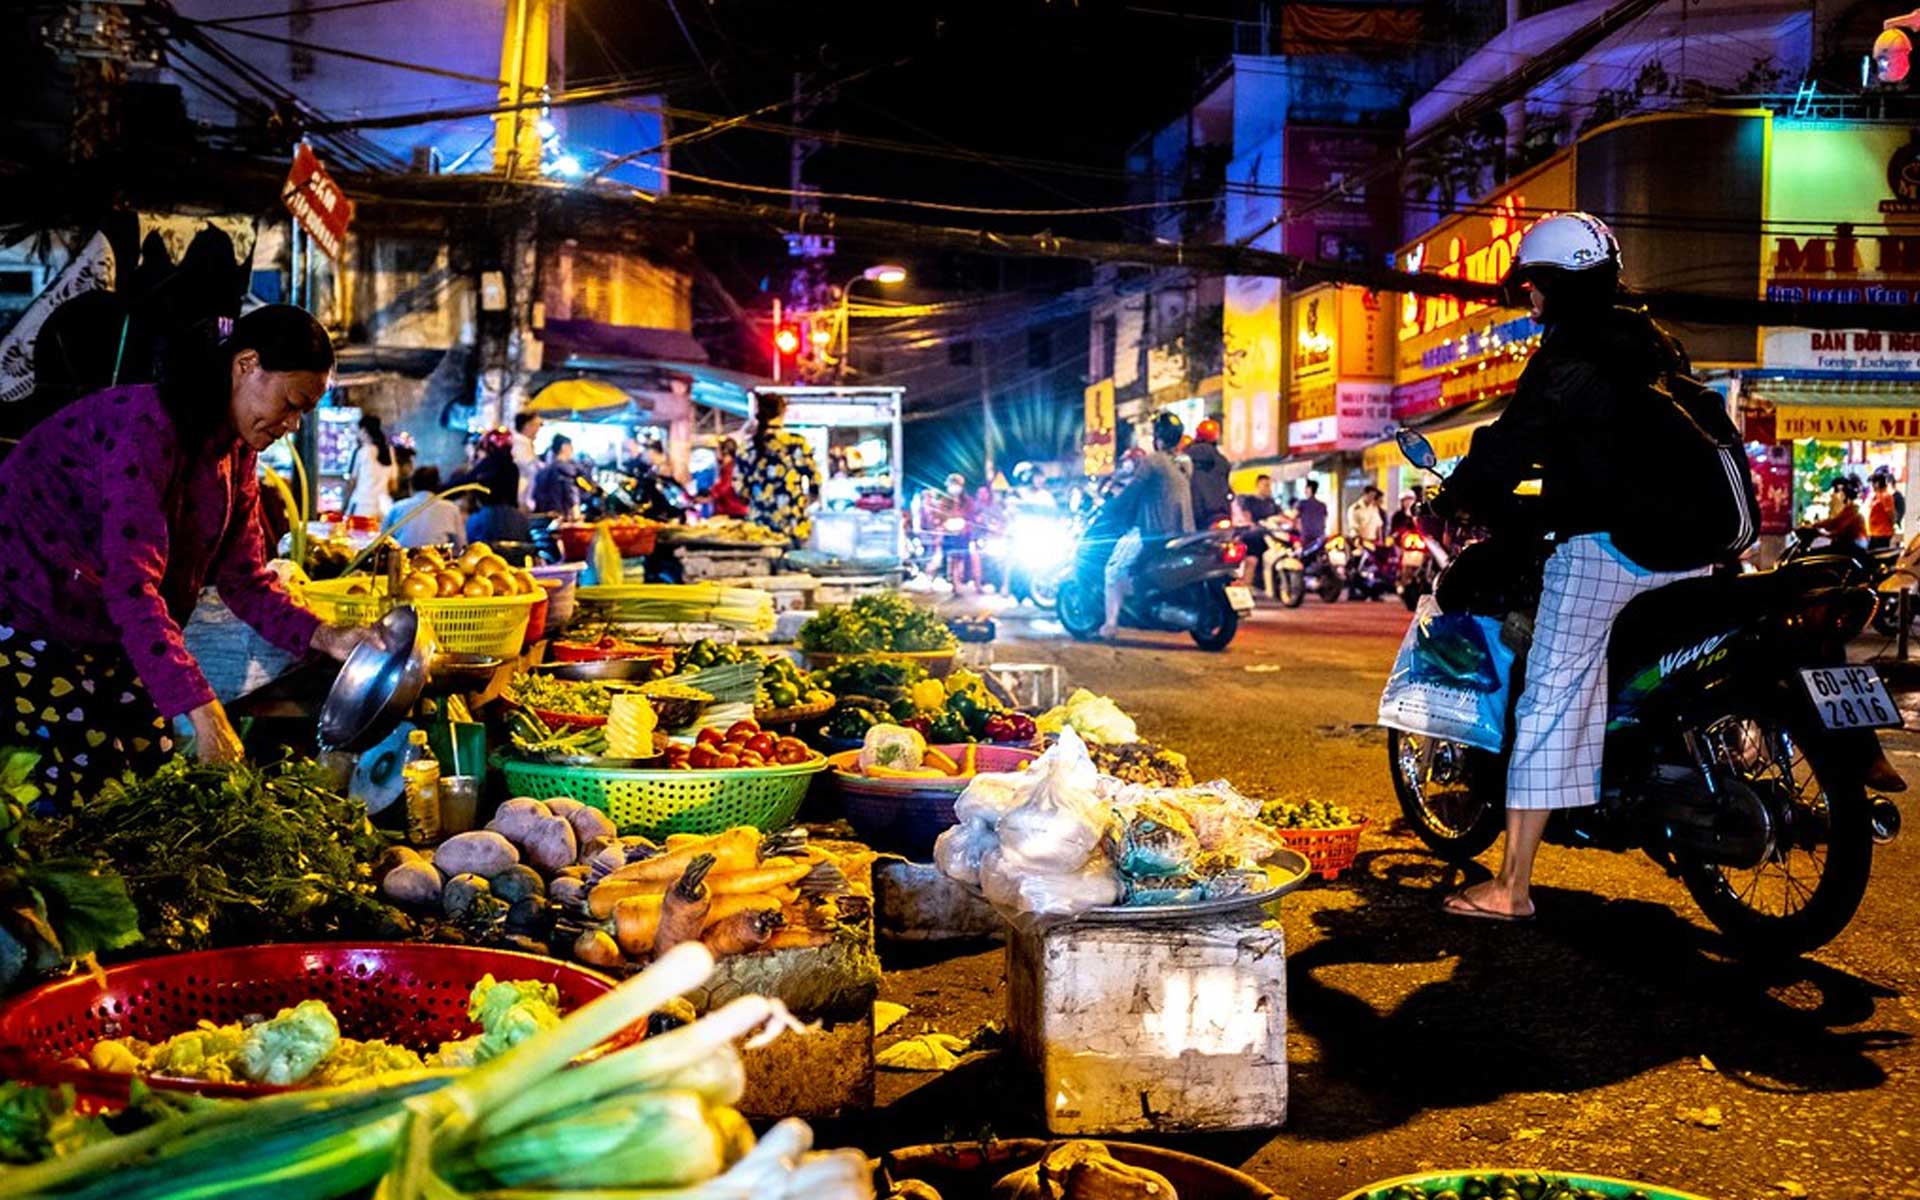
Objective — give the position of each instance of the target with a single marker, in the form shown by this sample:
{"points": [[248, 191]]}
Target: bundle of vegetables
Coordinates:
{"points": [[681, 604], [882, 621], [656, 1115], [532, 737], [1095, 718], [302, 1044], [38, 1123], [52, 909], [875, 691], [231, 854], [569, 697]]}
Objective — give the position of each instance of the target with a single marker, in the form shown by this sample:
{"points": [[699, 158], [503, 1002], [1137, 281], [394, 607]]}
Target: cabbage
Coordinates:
{"points": [[893, 746], [285, 1048], [1096, 718]]}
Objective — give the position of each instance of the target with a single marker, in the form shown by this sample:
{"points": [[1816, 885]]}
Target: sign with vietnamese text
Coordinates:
{"points": [[1250, 353], [1843, 350], [1862, 423], [1097, 443], [1329, 415], [315, 201]]}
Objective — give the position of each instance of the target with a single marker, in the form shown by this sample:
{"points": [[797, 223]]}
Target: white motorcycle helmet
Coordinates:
{"points": [[1573, 255]]}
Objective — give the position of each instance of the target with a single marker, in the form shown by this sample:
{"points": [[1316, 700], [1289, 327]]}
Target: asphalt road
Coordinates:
{"points": [[1610, 1035]]}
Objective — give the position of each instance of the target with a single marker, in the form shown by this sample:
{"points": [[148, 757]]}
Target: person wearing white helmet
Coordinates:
{"points": [[1568, 426]]}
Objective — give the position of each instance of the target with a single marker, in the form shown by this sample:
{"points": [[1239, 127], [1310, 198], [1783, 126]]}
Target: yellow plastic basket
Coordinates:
{"points": [[494, 625]]}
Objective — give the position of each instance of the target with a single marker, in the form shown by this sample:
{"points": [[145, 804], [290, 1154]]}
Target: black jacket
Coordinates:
{"points": [[1570, 424], [1212, 490]]}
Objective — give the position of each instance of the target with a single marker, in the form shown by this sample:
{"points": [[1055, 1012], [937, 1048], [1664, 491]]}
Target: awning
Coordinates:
{"points": [[1281, 470], [1451, 433], [1837, 410], [583, 400]]}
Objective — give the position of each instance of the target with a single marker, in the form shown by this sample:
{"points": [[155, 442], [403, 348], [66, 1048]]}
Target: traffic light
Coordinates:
{"points": [[786, 340]]}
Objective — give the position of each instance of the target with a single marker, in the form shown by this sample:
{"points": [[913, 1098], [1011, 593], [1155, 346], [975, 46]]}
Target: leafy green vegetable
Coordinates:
{"points": [[38, 1123], [510, 1013], [53, 907], [884, 621], [285, 1048]]}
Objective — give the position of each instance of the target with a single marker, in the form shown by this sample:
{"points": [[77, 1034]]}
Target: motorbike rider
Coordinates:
{"points": [[1212, 487], [1258, 507], [1595, 355], [1884, 513], [1157, 503], [1367, 523], [1843, 526]]}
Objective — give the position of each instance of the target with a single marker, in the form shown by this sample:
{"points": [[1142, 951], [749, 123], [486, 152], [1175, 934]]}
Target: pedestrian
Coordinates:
{"points": [[1212, 474], [556, 489], [404, 455], [114, 513], [370, 473], [1885, 514], [501, 516], [1159, 501], [526, 426], [781, 476], [1367, 517], [1310, 515], [441, 524], [1575, 409], [724, 494]]}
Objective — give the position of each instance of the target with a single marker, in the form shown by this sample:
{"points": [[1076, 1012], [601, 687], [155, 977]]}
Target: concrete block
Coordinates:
{"points": [[1153, 1027], [914, 902]]}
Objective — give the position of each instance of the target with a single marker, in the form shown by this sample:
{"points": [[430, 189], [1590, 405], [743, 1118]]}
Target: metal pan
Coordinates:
{"points": [[642, 669], [378, 684]]}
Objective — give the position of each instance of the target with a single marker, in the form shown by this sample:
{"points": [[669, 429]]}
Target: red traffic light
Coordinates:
{"points": [[786, 339]]}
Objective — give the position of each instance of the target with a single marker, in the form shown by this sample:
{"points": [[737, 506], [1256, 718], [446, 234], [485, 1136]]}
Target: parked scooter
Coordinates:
{"points": [[1423, 556], [1186, 583], [1739, 739]]}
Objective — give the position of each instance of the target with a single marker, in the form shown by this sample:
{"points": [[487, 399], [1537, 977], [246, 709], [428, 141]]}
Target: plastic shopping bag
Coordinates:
{"points": [[1450, 680]]}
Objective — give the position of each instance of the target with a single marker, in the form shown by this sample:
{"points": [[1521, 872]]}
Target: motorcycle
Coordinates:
{"points": [[1280, 563], [1738, 744], [1373, 570], [1422, 558], [1185, 583], [1888, 572], [1033, 553], [1323, 568]]}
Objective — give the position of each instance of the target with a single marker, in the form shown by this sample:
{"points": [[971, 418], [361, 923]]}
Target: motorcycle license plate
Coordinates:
{"points": [[1241, 598], [1850, 698]]}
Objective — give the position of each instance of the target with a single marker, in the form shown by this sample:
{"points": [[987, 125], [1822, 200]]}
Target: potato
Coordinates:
{"points": [[563, 806], [458, 897], [517, 883], [482, 852], [596, 948], [527, 914], [570, 894], [589, 847], [414, 881], [550, 843], [392, 858], [590, 823], [579, 870], [514, 819]]}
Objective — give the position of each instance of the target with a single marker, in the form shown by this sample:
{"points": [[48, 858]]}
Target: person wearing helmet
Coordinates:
{"points": [[1843, 526], [1887, 511], [499, 517], [1569, 426], [1212, 485], [1158, 502]]}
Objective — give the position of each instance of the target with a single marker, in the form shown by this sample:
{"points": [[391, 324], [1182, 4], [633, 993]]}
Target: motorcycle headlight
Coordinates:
{"points": [[955, 525]]}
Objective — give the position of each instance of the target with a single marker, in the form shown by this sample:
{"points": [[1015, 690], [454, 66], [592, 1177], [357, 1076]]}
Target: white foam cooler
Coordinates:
{"points": [[1170, 1026]]}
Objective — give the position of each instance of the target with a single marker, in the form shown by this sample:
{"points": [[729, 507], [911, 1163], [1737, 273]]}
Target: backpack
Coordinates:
{"points": [[1691, 501]]}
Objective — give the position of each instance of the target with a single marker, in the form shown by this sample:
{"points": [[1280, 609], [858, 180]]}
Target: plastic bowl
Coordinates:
{"points": [[906, 815], [1438, 1181]]}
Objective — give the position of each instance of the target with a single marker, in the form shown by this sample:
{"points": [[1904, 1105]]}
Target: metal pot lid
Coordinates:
{"points": [[377, 685]]}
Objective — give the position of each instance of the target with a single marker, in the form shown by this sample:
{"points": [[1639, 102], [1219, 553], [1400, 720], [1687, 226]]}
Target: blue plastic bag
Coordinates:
{"points": [[1450, 680]]}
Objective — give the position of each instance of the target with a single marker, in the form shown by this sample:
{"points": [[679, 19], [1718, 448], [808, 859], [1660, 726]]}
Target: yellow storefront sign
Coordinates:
{"points": [[1446, 443], [1880, 423], [1098, 444]]}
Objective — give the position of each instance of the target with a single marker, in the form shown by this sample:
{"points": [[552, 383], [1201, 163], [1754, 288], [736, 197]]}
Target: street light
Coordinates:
{"points": [[882, 273]]}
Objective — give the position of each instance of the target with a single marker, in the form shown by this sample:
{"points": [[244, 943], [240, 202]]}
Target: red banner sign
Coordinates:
{"points": [[317, 202]]}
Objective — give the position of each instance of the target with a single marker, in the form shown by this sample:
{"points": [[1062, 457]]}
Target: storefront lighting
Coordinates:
{"points": [[885, 273], [566, 166], [822, 337]]}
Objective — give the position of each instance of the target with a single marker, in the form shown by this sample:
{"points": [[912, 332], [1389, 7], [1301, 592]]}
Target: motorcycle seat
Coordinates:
{"points": [[1689, 612]]}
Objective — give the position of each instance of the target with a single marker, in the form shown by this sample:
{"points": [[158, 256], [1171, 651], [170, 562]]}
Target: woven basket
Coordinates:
{"points": [[657, 803], [1327, 851], [494, 625], [409, 994]]}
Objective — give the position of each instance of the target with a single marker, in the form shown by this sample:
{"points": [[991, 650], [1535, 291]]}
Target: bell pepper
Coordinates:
{"points": [[999, 729], [928, 695]]}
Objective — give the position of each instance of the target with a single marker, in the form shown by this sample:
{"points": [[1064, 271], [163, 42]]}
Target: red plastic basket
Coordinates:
{"points": [[410, 994], [1328, 851]]}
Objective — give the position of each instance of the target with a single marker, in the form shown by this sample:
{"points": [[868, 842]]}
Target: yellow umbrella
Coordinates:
{"points": [[581, 400]]}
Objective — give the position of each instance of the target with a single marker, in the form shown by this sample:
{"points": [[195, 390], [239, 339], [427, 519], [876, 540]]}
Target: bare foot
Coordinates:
{"points": [[1490, 900]]}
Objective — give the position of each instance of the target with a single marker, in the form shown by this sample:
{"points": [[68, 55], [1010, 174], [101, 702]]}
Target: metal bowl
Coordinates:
{"points": [[605, 670], [378, 684], [449, 673]]}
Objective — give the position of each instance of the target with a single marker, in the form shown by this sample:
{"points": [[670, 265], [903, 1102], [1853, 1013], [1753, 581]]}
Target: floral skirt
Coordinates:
{"points": [[83, 709]]}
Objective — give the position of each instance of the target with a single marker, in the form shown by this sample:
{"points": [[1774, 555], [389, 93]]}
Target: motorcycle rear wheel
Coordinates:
{"points": [[1453, 796], [1218, 625], [1289, 587], [1808, 889], [1331, 587], [1081, 609]]}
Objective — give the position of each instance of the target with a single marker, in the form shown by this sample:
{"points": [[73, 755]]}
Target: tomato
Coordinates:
{"points": [[725, 762], [742, 730], [709, 737], [750, 759], [791, 743], [701, 757], [789, 753], [761, 744]]}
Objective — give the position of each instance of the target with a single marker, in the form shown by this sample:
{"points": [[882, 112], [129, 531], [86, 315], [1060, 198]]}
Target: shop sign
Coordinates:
{"points": [[1251, 374], [315, 201], [1329, 416], [1862, 423], [1773, 485], [1843, 350], [1363, 223], [1098, 442], [1342, 331], [1449, 338]]}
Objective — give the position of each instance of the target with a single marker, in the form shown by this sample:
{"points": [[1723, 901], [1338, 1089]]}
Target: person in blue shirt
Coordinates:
{"points": [[442, 522]]}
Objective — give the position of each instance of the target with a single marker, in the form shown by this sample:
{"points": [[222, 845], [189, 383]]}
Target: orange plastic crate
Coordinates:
{"points": [[1328, 851]]}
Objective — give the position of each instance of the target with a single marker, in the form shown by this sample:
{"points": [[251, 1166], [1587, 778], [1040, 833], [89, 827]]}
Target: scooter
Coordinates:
{"points": [[1372, 571], [1032, 555], [1422, 558], [1185, 583], [1739, 738], [1324, 568]]}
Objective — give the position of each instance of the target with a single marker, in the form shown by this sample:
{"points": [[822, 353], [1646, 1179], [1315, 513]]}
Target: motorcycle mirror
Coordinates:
{"points": [[1417, 448]]}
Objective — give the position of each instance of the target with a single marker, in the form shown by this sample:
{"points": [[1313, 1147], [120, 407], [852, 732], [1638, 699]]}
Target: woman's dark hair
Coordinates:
{"points": [[426, 479], [767, 409], [560, 442], [370, 425], [196, 366], [500, 476]]}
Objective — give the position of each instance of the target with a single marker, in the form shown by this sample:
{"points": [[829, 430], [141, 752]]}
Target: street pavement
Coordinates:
{"points": [[1611, 1035]]}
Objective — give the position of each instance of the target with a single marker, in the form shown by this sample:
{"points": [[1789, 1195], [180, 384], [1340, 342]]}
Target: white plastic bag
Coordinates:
{"points": [[1063, 819], [1018, 888], [991, 796], [958, 851], [1451, 679]]}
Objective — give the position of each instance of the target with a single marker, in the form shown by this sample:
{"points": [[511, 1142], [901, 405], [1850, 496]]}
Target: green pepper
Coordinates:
{"points": [[947, 728]]}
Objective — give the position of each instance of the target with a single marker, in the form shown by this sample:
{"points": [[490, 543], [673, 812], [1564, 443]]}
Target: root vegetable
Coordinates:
{"points": [[461, 893], [726, 906], [636, 921], [797, 937], [684, 908], [414, 882], [518, 883], [563, 806], [394, 857], [590, 823], [771, 874], [514, 819], [605, 895], [596, 948], [482, 852], [550, 843], [742, 931], [570, 894], [737, 849]]}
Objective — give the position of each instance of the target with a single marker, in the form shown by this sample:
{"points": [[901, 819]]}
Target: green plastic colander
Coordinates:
{"points": [[656, 803], [1435, 1182]]}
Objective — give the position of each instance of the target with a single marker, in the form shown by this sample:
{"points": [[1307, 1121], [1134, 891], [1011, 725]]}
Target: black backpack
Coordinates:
{"points": [[1692, 503]]}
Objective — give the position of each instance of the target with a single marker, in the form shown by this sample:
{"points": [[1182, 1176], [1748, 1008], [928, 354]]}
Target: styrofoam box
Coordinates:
{"points": [[1153, 1026]]}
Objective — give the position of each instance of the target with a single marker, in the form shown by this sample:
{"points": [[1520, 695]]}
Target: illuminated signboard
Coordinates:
{"points": [[1098, 443], [1451, 351], [1250, 389], [1339, 394]]}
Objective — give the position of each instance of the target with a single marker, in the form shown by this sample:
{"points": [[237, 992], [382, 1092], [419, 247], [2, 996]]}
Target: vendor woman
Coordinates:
{"points": [[114, 512]]}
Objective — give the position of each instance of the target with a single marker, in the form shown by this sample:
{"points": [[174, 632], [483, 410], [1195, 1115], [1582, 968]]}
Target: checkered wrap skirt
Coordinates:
{"points": [[1560, 722]]}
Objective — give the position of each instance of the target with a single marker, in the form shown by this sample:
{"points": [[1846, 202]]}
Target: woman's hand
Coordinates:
{"points": [[214, 740], [338, 641]]}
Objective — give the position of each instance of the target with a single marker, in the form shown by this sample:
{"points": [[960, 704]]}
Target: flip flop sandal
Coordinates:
{"points": [[1458, 905]]}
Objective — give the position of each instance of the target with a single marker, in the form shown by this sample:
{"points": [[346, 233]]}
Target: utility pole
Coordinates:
{"points": [[94, 40], [523, 68]]}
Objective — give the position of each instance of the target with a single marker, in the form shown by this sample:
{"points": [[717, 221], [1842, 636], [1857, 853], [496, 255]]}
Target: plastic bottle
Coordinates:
{"points": [[421, 780]]}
